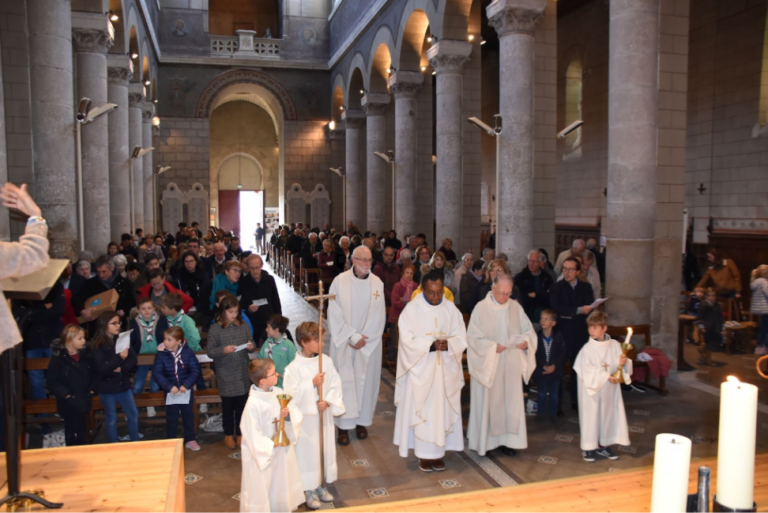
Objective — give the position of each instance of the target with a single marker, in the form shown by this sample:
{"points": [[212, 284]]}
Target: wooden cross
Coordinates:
{"points": [[321, 298], [605, 366]]}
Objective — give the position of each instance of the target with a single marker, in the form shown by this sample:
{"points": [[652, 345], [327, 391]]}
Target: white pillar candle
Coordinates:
{"points": [[671, 467], [736, 445]]}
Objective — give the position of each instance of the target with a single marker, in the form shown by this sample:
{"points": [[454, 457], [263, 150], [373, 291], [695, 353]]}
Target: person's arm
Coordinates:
{"points": [[53, 382], [106, 365], [214, 349], [736, 274], [135, 336], [159, 377], [30, 254], [705, 279], [130, 362], [194, 371], [191, 333]]}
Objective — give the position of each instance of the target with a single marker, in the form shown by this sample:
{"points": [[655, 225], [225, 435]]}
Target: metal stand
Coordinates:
{"points": [[716, 506], [699, 502], [11, 368]]}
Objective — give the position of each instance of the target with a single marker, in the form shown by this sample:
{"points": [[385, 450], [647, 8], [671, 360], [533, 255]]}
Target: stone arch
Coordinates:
{"points": [[356, 79], [455, 16], [255, 164], [337, 100], [379, 71], [572, 69], [433, 21], [412, 42], [120, 44], [146, 71], [244, 76], [131, 35], [383, 37]]}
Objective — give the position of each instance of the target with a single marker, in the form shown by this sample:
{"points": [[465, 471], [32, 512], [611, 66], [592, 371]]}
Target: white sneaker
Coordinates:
{"points": [[323, 494], [151, 411], [127, 438], [203, 408], [311, 500]]}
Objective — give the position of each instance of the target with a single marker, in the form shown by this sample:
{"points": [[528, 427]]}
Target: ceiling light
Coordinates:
{"points": [[423, 68], [471, 37], [154, 100], [147, 82], [429, 39], [332, 125], [134, 55], [341, 108], [482, 42], [362, 91], [113, 16]]}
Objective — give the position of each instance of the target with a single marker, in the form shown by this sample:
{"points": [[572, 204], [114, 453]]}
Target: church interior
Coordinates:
{"points": [[630, 133]]}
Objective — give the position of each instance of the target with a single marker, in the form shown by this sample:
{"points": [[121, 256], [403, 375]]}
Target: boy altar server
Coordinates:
{"points": [[270, 480], [602, 419], [301, 379], [430, 377], [501, 356]]}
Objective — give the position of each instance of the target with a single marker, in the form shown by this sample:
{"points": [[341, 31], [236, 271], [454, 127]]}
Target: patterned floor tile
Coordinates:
{"points": [[377, 493], [642, 413], [236, 496], [359, 463], [628, 448], [564, 438], [549, 460], [235, 456], [449, 483], [326, 505], [636, 429], [192, 479], [387, 413]]}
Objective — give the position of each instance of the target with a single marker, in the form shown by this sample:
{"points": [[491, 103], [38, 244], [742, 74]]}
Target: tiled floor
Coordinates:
{"points": [[371, 471]]}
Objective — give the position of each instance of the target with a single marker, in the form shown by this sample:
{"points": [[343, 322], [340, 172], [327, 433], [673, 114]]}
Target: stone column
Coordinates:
{"points": [[119, 73], [405, 85], [355, 121], [515, 21], [136, 138], [378, 172], [632, 148], [448, 57], [5, 219], [90, 35], [148, 112], [53, 117]]}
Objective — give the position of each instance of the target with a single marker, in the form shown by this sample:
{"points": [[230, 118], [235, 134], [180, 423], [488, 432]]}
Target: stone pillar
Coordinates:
{"points": [[515, 21], [136, 94], [90, 35], [5, 220], [448, 57], [147, 113], [405, 85], [632, 149], [119, 73], [378, 172], [355, 121], [53, 117]]}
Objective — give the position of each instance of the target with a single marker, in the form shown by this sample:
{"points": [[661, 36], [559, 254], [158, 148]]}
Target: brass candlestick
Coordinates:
{"points": [[626, 347], [281, 438]]}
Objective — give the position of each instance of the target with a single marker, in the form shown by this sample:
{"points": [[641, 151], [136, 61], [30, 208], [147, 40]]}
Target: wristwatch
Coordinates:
{"points": [[35, 219]]}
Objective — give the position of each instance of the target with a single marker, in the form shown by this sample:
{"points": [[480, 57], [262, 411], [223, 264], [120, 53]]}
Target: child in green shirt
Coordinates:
{"points": [[172, 307], [278, 347]]}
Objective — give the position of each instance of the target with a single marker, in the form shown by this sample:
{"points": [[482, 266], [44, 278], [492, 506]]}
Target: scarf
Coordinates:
{"points": [[175, 321], [272, 343], [109, 283], [547, 345], [177, 361], [149, 344]]}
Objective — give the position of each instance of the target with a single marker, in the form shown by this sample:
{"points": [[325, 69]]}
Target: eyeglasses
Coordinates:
{"points": [[270, 375], [364, 260], [569, 269], [114, 323]]}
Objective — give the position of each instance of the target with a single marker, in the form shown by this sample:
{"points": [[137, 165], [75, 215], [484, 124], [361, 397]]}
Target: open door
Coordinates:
{"points": [[229, 211]]}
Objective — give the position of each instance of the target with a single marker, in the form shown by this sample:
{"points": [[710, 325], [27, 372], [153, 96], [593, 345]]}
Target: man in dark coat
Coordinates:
{"points": [[309, 251], [534, 285], [570, 299], [294, 242], [258, 284], [106, 278]]}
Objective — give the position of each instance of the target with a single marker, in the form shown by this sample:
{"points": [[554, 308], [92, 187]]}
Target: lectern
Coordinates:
{"points": [[34, 286]]}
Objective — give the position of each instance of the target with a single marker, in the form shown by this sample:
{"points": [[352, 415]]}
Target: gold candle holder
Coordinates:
{"points": [[281, 438], [626, 347]]}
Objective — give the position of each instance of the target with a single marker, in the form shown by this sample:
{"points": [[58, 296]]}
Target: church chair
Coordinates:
{"points": [[311, 281], [740, 336], [298, 274]]}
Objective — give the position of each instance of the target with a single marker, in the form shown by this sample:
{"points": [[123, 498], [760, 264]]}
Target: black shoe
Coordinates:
{"points": [[588, 456], [606, 452], [343, 437], [507, 451], [361, 432]]}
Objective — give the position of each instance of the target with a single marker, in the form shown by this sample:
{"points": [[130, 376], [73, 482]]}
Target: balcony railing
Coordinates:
{"points": [[244, 45]]}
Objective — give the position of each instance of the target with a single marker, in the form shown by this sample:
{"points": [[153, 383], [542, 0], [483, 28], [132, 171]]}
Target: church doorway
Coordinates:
{"points": [[241, 196]]}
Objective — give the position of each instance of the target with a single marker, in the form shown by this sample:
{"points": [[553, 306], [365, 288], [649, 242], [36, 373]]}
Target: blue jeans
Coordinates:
{"points": [[37, 377], [129, 408], [141, 377], [172, 412], [548, 389], [762, 336]]}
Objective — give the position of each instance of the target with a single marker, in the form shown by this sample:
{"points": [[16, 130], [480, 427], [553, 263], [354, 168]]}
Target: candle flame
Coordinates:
{"points": [[733, 379]]}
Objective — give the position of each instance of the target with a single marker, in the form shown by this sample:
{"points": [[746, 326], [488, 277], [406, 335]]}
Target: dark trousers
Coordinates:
{"points": [[172, 412], [232, 409], [75, 428], [549, 390]]}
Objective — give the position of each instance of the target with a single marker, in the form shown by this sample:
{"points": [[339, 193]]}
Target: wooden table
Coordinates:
{"points": [[625, 490], [136, 476]]}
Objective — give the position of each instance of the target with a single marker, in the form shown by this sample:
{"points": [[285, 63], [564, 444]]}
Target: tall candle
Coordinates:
{"points": [[736, 444], [671, 466]]}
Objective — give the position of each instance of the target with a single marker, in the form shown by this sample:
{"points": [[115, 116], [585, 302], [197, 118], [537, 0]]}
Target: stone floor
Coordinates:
{"points": [[371, 471]]}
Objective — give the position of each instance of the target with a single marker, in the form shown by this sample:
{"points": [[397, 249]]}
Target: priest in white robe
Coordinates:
{"points": [[501, 355], [270, 479], [430, 377], [356, 321], [602, 419]]}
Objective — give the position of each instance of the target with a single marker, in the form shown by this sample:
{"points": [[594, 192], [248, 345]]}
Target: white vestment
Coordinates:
{"points": [[270, 479], [602, 418], [428, 387], [359, 309], [297, 383], [497, 406]]}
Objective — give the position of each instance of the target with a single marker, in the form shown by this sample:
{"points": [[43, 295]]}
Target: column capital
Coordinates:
{"points": [[515, 16], [119, 69], [147, 112], [136, 95], [449, 56], [353, 119], [405, 84], [91, 32], [375, 104]]}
